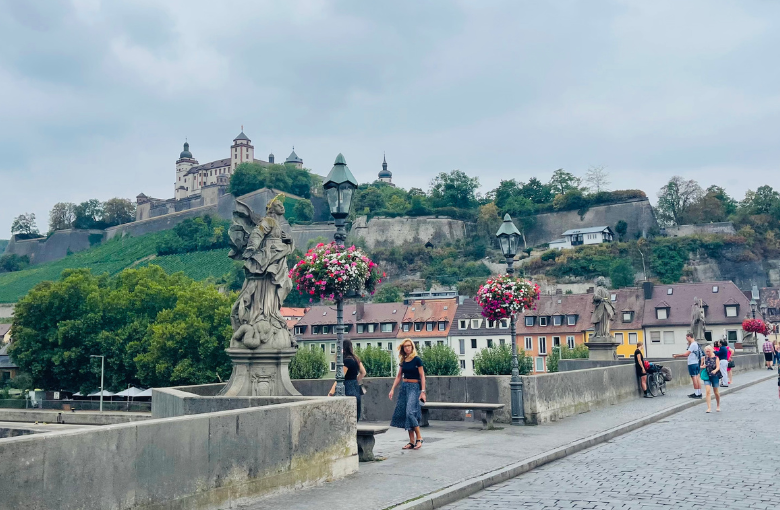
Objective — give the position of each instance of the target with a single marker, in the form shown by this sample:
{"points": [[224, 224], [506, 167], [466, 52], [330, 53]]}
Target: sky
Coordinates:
{"points": [[97, 97]]}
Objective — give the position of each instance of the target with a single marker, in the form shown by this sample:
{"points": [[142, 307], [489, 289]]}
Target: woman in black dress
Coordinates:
{"points": [[639, 365], [354, 371], [411, 377]]}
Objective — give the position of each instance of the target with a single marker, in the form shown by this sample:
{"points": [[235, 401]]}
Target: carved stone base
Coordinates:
{"points": [[749, 343], [602, 348], [260, 373]]}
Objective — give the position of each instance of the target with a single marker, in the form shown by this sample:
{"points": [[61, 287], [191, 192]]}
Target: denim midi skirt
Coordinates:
{"points": [[352, 389], [408, 412]]}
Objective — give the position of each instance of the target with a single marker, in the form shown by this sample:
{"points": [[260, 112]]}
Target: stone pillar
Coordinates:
{"points": [[749, 343], [260, 373], [602, 348]]}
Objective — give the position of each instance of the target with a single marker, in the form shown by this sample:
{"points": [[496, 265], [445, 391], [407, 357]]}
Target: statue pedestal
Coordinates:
{"points": [[260, 373], [750, 343], [602, 348]]}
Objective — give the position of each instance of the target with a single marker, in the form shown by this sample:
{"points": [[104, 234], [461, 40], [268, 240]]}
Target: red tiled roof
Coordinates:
{"points": [[430, 310], [680, 303]]}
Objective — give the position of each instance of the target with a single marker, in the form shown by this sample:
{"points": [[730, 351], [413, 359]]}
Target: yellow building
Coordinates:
{"points": [[627, 324]]}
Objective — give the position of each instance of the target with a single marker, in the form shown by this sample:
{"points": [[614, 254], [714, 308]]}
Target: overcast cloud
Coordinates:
{"points": [[98, 97]]}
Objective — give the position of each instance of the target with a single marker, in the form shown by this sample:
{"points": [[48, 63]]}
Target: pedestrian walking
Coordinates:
{"points": [[730, 363], [411, 377], [769, 353], [641, 370], [354, 372], [723, 359], [777, 352], [710, 376], [694, 355]]}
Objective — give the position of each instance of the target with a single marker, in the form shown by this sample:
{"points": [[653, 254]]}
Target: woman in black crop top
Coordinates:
{"points": [[411, 377], [354, 371]]}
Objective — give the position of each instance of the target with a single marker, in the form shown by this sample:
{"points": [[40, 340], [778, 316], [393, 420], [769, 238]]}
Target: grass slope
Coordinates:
{"points": [[112, 257], [3, 244]]}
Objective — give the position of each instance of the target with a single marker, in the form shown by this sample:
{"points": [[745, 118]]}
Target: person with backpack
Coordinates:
{"points": [[722, 352], [694, 355], [711, 375], [769, 353]]}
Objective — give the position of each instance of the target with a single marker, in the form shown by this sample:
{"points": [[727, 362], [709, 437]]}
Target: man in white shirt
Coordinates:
{"points": [[694, 355]]}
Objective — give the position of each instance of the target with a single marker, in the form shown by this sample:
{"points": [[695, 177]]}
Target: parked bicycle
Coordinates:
{"points": [[657, 376]]}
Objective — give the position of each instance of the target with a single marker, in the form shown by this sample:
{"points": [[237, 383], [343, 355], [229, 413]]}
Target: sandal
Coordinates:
{"points": [[408, 446], [416, 445]]}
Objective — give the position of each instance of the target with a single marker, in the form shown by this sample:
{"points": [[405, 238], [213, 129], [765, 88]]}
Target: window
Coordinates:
{"points": [[322, 346], [491, 324], [632, 338], [613, 297], [389, 346], [669, 337], [333, 348], [655, 336], [501, 341], [570, 342], [529, 321], [504, 323], [473, 364], [418, 326], [732, 336], [427, 343], [442, 325], [490, 342], [669, 291], [429, 326], [529, 343], [298, 330], [556, 341], [540, 364], [379, 345], [628, 316], [332, 366], [661, 313], [462, 324], [619, 338], [473, 343], [387, 327], [315, 330], [542, 345], [361, 328], [326, 330], [542, 321], [571, 320], [731, 310], [347, 327], [462, 343], [368, 344], [357, 345], [714, 289], [463, 364], [476, 323], [557, 320], [371, 327], [407, 326]]}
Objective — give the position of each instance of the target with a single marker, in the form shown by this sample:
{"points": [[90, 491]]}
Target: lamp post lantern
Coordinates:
{"points": [[509, 239], [340, 186], [102, 367]]}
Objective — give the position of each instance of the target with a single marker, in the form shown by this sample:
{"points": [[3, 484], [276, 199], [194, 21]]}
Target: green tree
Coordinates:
{"points": [[303, 210], [24, 224], [470, 286], [88, 214], [562, 182], [419, 206], [506, 190], [378, 362], [488, 222], [11, 262], [118, 211], [388, 294], [246, 178], [668, 261], [497, 360], [368, 200], [308, 364], [621, 273], [397, 204], [61, 216], [675, 200], [621, 227], [454, 189], [440, 359], [760, 201], [597, 179], [537, 192]]}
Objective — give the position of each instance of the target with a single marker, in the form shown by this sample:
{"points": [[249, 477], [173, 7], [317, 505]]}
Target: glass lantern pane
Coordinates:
{"points": [[332, 194], [504, 240], [345, 198], [513, 243]]}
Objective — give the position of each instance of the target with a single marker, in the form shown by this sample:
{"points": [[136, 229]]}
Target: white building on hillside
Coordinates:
{"points": [[581, 236]]}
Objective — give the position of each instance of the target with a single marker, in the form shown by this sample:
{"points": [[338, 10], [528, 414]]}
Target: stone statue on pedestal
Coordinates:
{"points": [[602, 344], [697, 320], [261, 345]]}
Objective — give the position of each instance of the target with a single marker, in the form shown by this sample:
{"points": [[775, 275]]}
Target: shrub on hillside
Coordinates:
{"points": [[308, 363], [195, 234], [440, 359], [497, 360], [12, 262]]}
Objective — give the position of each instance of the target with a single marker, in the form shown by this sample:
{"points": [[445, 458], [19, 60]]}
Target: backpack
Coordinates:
{"points": [[699, 353]]}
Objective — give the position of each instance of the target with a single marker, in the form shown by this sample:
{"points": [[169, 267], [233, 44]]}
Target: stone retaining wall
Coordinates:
{"points": [[199, 461]]}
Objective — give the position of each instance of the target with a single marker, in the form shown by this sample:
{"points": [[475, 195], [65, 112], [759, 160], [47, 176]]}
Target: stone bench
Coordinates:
{"points": [[365, 440], [487, 411]]}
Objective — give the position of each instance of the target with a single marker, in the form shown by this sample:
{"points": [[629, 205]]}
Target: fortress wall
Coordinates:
{"points": [[638, 214], [384, 232], [56, 246]]}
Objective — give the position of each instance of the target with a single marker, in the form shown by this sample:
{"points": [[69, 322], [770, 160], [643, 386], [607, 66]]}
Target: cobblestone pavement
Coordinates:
{"points": [[723, 460]]}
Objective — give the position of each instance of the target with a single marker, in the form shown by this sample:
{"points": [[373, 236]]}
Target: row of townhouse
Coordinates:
{"points": [[657, 315]]}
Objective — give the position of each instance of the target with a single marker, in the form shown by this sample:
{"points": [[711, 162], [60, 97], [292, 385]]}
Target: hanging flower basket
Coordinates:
{"points": [[755, 326], [331, 271], [506, 295]]}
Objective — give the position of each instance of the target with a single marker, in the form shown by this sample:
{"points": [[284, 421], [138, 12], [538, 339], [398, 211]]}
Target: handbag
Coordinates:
{"points": [[731, 364], [362, 389]]}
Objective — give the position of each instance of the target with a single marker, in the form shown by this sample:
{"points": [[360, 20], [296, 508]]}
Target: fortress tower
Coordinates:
{"points": [[183, 164], [385, 175], [294, 160], [242, 150]]}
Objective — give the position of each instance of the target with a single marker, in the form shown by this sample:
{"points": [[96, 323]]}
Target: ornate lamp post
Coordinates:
{"points": [[509, 239], [340, 185]]}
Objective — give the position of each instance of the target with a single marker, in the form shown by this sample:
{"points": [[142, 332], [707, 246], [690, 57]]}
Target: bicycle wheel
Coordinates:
{"points": [[652, 384], [662, 384]]}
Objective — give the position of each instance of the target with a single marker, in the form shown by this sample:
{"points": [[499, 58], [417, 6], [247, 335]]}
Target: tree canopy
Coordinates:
{"points": [[249, 177]]}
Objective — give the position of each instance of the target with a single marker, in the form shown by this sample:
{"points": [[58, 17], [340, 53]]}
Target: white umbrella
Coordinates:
{"points": [[106, 393], [145, 393], [132, 391]]}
